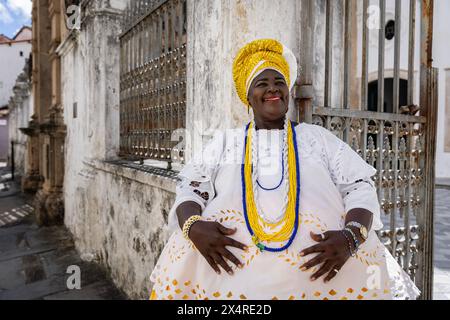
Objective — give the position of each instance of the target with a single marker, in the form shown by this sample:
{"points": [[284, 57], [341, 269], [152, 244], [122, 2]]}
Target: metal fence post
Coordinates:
{"points": [[304, 90], [428, 108]]}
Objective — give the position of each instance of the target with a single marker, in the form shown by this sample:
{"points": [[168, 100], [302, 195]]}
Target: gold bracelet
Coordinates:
{"points": [[187, 225]]}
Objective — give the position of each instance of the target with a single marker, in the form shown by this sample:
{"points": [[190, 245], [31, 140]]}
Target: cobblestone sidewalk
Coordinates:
{"points": [[441, 288], [34, 261]]}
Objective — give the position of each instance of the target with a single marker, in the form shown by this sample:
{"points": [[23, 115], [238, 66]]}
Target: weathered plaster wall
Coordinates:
{"points": [[18, 119], [217, 29], [117, 215], [11, 65], [442, 61], [20, 111]]}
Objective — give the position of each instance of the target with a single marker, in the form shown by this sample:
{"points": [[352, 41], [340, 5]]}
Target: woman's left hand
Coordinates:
{"points": [[333, 250]]}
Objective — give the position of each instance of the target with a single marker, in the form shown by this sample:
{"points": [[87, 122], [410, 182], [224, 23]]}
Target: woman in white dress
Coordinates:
{"points": [[287, 210]]}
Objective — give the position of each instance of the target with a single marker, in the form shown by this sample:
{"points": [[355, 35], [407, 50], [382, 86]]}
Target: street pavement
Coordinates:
{"points": [[441, 285], [34, 261]]}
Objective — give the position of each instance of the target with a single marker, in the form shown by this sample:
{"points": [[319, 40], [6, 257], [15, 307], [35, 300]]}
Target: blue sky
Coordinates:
{"points": [[13, 15]]}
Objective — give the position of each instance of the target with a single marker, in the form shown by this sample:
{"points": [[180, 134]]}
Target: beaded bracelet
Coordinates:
{"points": [[355, 239], [349, 243], [187, 225]]}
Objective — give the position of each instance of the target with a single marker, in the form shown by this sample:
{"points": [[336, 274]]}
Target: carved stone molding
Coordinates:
{"points": [[31, 182], [49, 208]]}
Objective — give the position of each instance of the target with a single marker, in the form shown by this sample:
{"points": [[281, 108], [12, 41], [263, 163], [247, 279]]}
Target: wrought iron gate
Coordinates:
{"points": [[401, 144]]}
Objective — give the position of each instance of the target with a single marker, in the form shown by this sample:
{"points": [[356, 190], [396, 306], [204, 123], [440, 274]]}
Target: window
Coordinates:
{"points": [[75, 110], [388, 95], [21, 53], [390, 30]]}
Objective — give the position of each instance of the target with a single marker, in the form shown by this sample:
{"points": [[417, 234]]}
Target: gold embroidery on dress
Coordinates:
{"points": [[199, 293]]}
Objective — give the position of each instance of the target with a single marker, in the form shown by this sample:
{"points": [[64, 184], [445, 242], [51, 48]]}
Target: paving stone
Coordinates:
{"points": [[35, 290], [95, 291], [441, 284], [11, 275], [34, 262], [441, 296]]}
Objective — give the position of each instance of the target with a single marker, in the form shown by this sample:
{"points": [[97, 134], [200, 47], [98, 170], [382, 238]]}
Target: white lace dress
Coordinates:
{"points": [[333, 180]]}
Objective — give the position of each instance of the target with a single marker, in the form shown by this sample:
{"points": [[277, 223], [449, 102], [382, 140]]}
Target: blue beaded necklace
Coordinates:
{"points": [[282, 176], [261, 246]]}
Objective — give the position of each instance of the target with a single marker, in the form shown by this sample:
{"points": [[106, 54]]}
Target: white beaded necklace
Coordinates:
{"points": [[254, 150]]}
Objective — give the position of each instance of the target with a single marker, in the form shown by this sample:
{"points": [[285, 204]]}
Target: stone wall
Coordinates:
{"points": [[20, 111], [217, 29], [118, 217], [11, 65]]}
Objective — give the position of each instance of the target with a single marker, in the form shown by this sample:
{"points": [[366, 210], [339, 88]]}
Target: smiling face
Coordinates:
{"points": [[269, 98]]}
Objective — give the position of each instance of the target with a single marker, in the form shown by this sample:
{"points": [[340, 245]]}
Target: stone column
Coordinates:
{"points": [[41, 26], [32, 177], [46, 130], [49, 201]]}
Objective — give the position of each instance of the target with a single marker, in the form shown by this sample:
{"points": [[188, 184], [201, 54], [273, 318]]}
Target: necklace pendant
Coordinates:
{"points": [[258, 244], [260, 247]]}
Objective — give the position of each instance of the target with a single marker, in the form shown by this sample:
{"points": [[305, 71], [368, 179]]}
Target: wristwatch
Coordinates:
{"points": [[362, 229]]}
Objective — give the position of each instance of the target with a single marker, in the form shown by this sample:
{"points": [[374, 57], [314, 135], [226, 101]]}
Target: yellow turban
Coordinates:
{"points": [[260, 55]]}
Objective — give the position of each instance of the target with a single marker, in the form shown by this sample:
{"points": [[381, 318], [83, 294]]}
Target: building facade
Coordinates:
{"points": [[442, 62], [20, 112], [13, 53]]}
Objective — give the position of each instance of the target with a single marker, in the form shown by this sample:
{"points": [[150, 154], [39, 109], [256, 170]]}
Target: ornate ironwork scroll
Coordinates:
{"points": [[401, 144], [393, 144]]}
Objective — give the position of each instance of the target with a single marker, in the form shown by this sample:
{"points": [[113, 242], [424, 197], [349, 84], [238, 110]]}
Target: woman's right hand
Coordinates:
{"points": [[211, 239]]}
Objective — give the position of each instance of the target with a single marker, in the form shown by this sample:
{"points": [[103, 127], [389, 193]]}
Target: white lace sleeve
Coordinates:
{"points": [[352, 176], [196, 179]]}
